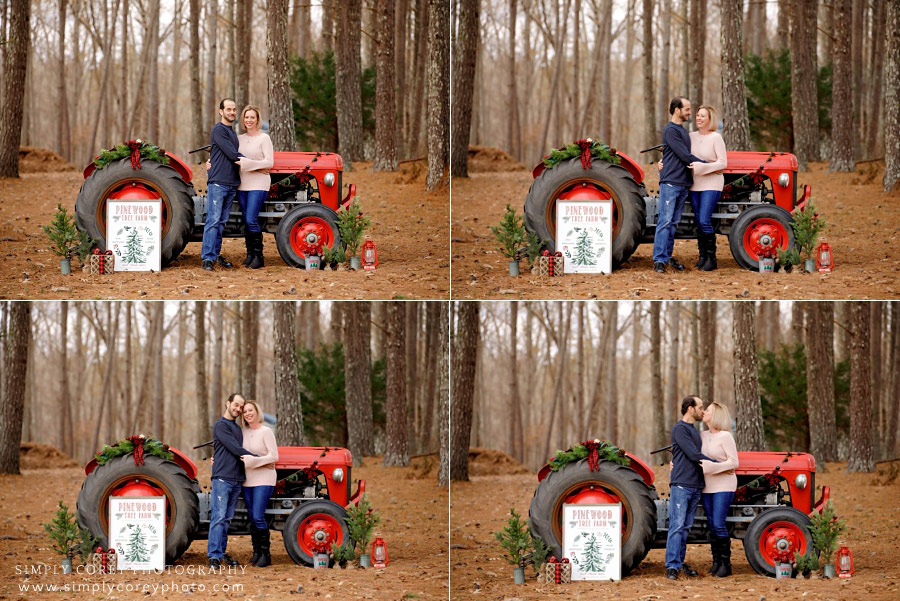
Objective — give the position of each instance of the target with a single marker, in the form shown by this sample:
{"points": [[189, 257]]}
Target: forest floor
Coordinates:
{"points": [[868, 503], [409, 226], [414, 525], [862, 232]]}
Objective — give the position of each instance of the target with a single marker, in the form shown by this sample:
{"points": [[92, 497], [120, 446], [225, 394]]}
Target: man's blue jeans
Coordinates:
{"points": [[682, 506], [222, 501], [218, 206], [704, 203], [251, 202], [671, 202], [716, 505], [256, 498]]}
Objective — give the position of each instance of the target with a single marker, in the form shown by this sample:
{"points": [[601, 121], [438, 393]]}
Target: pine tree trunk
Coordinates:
{"points": [[433, 337], [893, 396], [287, 387], [820, 381], [385, 101], [211, 103], [153, 91], [861, 458], [465, 349], [63, 143], [420, 55], [875, 328], [651, 135], [892, 97], [401, 16], [396, 436], [347, 81], [305, 34], [196, 102], [842, 97], [734, 94], [797, 326], [178, 438], [357, 387], [748, 433], [14, 69], [656, 388], [877, 67], [699, 17], [215, 392], [336, 323], [232, 50], [249, 335], [664, 94], [512, 123], [804, 104], [14, 369], [612, 397], [328, 24], [443, 396], [412, 372], [123, 79], [463, 83], [672, 380], [244, 26], [65, 403], [707, 351], [438, 91], [278, 76]]}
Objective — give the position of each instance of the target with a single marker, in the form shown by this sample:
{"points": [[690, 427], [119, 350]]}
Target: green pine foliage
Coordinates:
{"points": [[134, 248], [66, 240], [768, 82], [584, 252], [334, 254], [149, 151], [352, 224], [808, 562], [807, 225], [320, 372], [825, 530], [63, 530], [341, 554], [599, 150], [540, 552], [578, 452], [361, 521], [511, 234], [783, 394], [137, 549], [591, 561], [151, 446], [86, 544], [314, 102], [514, 539]]}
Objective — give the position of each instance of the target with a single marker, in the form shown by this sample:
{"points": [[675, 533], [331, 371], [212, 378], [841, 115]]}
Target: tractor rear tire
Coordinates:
{"points": [[790, 521], [181, 495], [638, 507], [627, 195], [296, 538], [317, 216], [176, 195], [741, 239]]}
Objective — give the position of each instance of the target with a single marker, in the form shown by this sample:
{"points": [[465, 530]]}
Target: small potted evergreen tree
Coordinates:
{"points": [[352, 224], [340, 555], [63, 532], [512, 238], [361, 521], [807, 225], [66, 240], [515, 540], [825, 530], [806, 564]]}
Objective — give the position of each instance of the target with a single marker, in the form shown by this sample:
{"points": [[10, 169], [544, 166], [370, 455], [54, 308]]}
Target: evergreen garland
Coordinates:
{"points": [[122, 151], [605, 451], [599, 150], [151, 445]]}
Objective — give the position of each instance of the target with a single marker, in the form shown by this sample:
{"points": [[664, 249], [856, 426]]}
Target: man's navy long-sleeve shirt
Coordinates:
{"points": [[676, 155], [223, 154], [686, 456], [227, 451]]}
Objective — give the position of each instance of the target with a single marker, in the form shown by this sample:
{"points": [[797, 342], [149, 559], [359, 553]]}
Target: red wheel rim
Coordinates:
{"points": [[582, 190], [133, 189], [132, 486], [605, 493], [317, 533], [310, 233], [764, 233], [780, 539]]}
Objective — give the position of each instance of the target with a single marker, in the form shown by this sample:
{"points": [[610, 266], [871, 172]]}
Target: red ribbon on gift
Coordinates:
{"points": [[135, 147], [138, 442], [585, 146], [557, 566], [593, 456]]}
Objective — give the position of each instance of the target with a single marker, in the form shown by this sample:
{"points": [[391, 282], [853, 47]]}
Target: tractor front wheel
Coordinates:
{"points": [[779, 532], [312, 528], [304, 229], [612, 483], [758, 229]]}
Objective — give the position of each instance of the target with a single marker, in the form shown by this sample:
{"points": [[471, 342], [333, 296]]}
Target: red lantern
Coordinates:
{"points": [[845, 563], [369, 255], [379, 553], [824, 258]]}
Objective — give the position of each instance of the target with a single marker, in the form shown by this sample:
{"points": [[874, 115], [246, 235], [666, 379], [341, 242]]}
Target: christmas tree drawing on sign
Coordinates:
{"points": [[137, 549], [584, 253], [590, 557], [134, 247]]}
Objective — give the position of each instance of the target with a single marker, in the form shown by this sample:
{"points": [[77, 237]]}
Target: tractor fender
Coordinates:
{"points": [[628, 163], [174, 162], [636, 464], [182, 460]]}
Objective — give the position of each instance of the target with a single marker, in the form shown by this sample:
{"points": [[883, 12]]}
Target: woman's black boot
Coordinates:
{"points": [[248, 242], [724, 558], [714, 548], [257, 260], [265, 558], [254, 538], [710, 264]]}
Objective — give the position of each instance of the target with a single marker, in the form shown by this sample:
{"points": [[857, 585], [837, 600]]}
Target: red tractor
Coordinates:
{"points": [[308, 505], [301, 208], [770, 512], [754, 212]]}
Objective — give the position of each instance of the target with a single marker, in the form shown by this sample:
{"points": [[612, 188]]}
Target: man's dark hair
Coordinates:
{"points": [[233, 394], [675, 103], [223, 101], [688, 402]]}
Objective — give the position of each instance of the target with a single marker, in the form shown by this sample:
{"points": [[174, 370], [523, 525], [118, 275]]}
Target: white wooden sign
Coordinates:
{"points": [[137, 531], [592, 540], [584, 235], [134, 234]]}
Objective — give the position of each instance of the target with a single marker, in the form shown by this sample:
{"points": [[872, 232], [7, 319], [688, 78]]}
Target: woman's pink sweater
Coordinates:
{"points": [[709, 147], [719, 446], [262, 442], [258, 154]]}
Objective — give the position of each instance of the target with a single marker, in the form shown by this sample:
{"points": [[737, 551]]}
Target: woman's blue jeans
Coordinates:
{"points": [[704, 204], [256, 498], [716, 505], [251, 202]]}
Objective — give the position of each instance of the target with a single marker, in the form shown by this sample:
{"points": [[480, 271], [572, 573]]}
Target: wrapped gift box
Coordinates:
{"points": [[544, 263], [101, 264], [558, 572]]}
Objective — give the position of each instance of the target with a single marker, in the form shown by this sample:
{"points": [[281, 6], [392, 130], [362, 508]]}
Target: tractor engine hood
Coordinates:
{"points": [[302, 457], [752, 463], [292, 162]]}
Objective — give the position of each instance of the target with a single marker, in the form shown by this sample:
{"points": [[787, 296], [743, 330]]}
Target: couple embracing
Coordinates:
{"points": [[703, 465], [238, 166]]}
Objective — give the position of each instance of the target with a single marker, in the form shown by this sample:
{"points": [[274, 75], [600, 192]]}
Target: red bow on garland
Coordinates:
{"points": [[138, 442], [135, 147], [557, 566], [593, 456], [585, 146], [312, 472]]}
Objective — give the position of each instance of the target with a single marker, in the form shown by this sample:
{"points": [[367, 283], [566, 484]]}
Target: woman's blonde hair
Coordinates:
{"points": [[721, 417], [259, 413], [255, 109], [713, 116]]}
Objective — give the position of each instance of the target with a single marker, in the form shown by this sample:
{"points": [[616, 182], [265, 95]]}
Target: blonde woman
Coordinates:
{"points": [[257, 157], [718, 443], [707, 144], [260, 479]]}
